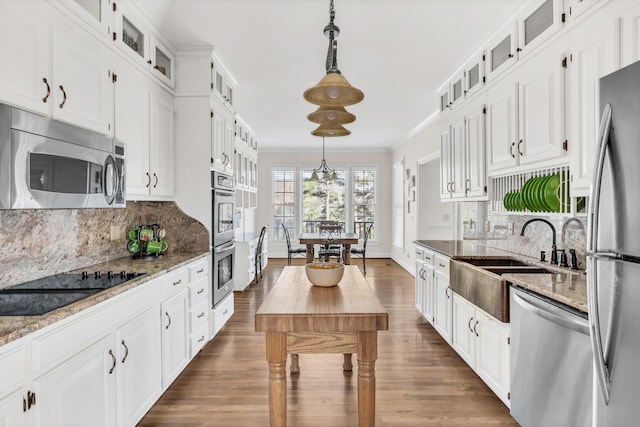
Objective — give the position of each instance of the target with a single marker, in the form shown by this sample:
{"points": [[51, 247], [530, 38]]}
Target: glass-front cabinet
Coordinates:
{"points": [[134, 38], [222, 84], [474, 78], [540, 20], [96, 13], [502, 51]]}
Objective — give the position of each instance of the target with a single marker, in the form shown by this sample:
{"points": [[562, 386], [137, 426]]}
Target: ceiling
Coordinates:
{"points": [[398, 52]]}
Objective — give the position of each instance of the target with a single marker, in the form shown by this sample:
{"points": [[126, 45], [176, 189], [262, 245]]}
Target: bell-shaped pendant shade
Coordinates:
{"points": [[336, 115], [334, 91], [330, 130]]}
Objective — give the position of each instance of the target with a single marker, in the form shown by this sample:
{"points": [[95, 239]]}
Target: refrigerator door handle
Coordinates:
{"points": [[602, 372], [596, 182], [601, 369]]}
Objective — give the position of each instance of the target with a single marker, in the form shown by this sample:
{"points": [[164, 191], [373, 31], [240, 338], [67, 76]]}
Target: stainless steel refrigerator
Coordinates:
{"points": [[613, 245]]}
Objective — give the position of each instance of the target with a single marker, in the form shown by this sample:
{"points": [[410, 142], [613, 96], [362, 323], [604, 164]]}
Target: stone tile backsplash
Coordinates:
{"points": [[40, 242], [570, 232]]}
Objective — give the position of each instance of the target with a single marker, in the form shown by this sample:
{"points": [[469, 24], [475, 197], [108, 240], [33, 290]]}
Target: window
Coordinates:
{"points": [[322, 200], [364, 200], [398, 206], [284, 201], [302, 203]]}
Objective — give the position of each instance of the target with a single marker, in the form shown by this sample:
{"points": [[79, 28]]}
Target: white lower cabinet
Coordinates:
{"points": [[442, 298], [139, 358], [80, 392], [483, 342], [107, 365], [424, 292], [174, 336], [222, 313]]}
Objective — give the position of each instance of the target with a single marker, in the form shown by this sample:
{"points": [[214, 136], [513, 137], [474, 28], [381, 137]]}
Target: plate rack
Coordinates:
{"points": [[501, 185]]}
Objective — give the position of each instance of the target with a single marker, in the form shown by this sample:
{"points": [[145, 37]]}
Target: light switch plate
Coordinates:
{"points": [[487, 226]]}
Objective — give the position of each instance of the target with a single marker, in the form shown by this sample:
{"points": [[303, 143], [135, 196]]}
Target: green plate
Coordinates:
{"points": [[505, 201], [508, 201], [517, 201], [541, 194], [525, 192], [552, 193], [535, 199]]}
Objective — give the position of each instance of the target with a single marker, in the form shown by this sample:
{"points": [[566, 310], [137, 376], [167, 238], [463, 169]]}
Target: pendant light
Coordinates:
{"points": [[330, 130], [331, 115], [333, 90], [324, 170]]}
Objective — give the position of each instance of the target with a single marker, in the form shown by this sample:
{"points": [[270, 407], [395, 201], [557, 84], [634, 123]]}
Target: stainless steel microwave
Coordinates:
{"points": [[45, 163]]}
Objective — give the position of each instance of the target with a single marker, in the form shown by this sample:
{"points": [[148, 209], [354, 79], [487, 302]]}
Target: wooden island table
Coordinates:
{"points": [[344, 239], [298, 317]]}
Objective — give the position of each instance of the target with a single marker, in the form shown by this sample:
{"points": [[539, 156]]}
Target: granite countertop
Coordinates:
{"points": [[567, 287], [15, 327]]}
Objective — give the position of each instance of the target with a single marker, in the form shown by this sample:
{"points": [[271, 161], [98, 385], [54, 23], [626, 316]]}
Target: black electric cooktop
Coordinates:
{"points": [[41, 296]]}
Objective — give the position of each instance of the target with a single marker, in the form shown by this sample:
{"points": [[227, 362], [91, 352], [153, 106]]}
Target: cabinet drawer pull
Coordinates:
{"points": [[201, 315], [177, 283], [200, 291], [200, 271], [113, 357], [428, 258], [169, 317], [201, 339], [441, 265], [46, 97], [225, 312], [126, 351], [64, 97]]}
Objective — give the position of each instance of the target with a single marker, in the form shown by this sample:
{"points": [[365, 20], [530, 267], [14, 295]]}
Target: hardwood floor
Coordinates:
{"points": [[420, 380]]}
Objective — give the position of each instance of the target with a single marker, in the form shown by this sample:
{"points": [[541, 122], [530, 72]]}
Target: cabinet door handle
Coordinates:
{"points": [[200, 291], [519, 150], [156, 178], [169, 317], [64, 97], [201, 338], [31, 399], [200, 271], [46, 97], [201, 315], [113, 357], [446, 292], [469, 324], [225, 312], [126, 351], [474, 328], [24, 405], [148, 180], [467, 186], [513, 144]]}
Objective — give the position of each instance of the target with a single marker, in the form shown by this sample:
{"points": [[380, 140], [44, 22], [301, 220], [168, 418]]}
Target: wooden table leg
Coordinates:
{"points": [[347, 253], [347, 365], [295, 364], [309, 253], [277, 358], [367, 355]]}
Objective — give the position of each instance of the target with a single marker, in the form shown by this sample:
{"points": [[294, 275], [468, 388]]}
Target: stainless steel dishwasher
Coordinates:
{"points": [[551, 362]]}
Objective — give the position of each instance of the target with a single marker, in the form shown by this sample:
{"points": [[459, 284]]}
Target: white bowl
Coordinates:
{"points": [[324, 274]]}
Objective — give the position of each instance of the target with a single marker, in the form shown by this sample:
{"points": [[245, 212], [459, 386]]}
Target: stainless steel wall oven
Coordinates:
{"points": [[223, 199]]}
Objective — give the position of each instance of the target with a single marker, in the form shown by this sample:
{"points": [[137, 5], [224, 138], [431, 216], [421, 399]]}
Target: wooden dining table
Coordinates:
{"points": [[298, 317], [344, 239]]}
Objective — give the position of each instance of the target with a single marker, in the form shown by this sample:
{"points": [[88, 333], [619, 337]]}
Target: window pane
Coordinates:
{"points": [[323, 199], [284, 201], [364, 192]]}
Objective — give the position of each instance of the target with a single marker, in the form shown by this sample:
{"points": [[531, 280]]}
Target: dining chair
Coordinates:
{"points": [[258, 256], [362, 252], [329, 230], [291, 252]]}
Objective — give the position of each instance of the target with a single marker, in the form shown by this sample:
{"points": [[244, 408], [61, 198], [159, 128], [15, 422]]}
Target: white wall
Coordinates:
{"points": [[425, 143], [381, 247]]}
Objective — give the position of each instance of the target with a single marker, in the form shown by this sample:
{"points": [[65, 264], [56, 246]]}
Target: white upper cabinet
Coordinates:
{"points": [[61, 73], [222, 84], [162, 62], [474, 75], [456, 91], [576, 7], [161, 116], [502, 51], [502, 120], [594, 53], [541, 105], [537, 22], [475, 184], [98, 14], [446, 175], [25, 39], [82, 82], [631, 35]]}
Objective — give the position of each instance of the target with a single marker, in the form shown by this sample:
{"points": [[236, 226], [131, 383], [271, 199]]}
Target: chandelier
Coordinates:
{"points": [[333, 92], [325, 171]]}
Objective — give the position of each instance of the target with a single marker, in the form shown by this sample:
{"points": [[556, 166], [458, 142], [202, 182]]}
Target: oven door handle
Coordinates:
{"points": [[225, 247], [223, 193]]}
